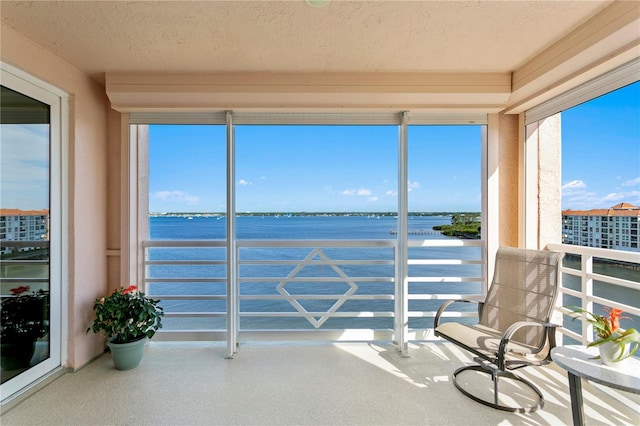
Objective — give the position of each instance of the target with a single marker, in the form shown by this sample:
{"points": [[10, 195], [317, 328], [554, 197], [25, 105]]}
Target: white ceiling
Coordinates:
{"points": [[291, 36]]}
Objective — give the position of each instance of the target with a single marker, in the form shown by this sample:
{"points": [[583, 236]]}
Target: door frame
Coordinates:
{"points": [[22, 82]]}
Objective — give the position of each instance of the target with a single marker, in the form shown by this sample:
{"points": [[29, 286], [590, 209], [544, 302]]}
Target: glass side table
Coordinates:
{"points": [[575, 359]]}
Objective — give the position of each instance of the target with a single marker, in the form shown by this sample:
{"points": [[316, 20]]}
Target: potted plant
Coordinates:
{"points": [[24, 319], [127, 318], [612, 340]]}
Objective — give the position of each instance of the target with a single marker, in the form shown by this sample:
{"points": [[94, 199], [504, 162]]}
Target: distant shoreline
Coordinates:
{"points": [[382, 214]]}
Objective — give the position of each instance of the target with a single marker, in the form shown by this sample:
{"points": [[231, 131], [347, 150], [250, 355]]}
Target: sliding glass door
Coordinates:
{"points": [[30, 258]]}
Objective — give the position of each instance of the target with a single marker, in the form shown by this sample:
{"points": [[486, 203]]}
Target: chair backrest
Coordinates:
{"points": [[524, 288]]}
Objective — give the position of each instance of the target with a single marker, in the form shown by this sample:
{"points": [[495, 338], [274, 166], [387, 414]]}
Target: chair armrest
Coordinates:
{"points": [[445, 305], [513, 328]]}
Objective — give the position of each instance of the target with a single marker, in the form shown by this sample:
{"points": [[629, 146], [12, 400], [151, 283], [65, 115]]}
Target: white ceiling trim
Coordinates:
{"points": [[313, 118], [601, 44], [391, 92], [626, 74]]}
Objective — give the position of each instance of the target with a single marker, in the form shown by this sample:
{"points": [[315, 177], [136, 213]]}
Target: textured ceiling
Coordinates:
{"points": [[290, 36]]}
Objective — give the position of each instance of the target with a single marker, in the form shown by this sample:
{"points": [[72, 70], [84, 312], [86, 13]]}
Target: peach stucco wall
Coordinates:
{"points": [[550, 180], [87, 186]]}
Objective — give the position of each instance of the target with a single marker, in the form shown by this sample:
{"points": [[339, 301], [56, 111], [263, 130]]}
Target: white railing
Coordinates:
{"points": [[185, 275], [30, 265], [310, 289], [464, 272], [594, 277], [317, 284]]}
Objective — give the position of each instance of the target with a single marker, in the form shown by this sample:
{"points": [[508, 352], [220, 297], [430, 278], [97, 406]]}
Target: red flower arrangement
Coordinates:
{"points": [[126, 315], [607, 328], [24, 315]]}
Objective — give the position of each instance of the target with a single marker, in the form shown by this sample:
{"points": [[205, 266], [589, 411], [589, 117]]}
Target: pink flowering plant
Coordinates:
{"points": [[126, 315], [24, 314]]}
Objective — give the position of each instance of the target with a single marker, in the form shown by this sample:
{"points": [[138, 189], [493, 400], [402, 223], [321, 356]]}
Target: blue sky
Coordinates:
{"points": [[24, 166], [601, 151], [354, 168], [314, 168]]}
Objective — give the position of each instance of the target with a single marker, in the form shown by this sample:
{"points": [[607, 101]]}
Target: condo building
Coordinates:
{"points": [[22, 225], [613, 228]]}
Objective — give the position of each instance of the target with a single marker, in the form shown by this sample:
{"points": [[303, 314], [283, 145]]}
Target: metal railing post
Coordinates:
{"points": [[233, 307], [587, 292], [401, 326]]}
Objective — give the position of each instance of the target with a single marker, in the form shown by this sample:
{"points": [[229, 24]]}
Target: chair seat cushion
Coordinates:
{"points": [[480, 339]]}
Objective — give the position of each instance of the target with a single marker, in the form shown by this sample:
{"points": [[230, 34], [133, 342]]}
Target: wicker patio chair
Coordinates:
{"points": [[514, 329]]}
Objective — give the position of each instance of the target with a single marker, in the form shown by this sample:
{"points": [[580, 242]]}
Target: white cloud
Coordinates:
{"points": [[581, 199], [628, 196], [412, 185], [362, 192], [176, 197], [632, 182], [574, 184], [372, 199], [391, 193], [582, 196], [243, 182], [612, 197]]}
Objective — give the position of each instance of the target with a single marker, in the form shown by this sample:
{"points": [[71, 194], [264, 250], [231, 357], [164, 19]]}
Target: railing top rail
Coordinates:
{"points": [[271, 243], [446, 243], [184, 243], [25, 262], [317, 243], [619, 255], [21, 243]]}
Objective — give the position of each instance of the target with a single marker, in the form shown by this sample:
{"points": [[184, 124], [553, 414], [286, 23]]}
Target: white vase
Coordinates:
{"points": [[611, 351]]}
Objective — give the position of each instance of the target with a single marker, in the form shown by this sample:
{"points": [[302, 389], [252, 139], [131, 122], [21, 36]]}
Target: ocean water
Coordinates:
{"points": [[260, 279], [291, 227]]}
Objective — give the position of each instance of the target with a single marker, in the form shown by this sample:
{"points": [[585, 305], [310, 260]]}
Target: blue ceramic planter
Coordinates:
{"points": [[126, 356]]}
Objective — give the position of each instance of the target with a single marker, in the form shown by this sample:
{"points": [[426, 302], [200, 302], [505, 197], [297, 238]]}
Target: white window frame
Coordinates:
{"points": [[26, 84], [138, 155]]}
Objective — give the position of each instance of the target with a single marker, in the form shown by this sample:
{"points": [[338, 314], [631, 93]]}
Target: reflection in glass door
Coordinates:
{"points": [[29, 230], [24, 216]]}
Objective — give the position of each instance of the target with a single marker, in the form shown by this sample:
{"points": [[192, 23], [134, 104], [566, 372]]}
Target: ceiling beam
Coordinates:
{"points": [[309, 91]]}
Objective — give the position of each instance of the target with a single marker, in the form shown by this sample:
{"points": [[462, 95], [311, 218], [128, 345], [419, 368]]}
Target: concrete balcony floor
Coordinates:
{"points": [[299, 384]]}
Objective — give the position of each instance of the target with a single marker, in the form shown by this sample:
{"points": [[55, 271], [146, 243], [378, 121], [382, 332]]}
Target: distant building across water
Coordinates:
{"points": [[23, 225], [613, 228]]}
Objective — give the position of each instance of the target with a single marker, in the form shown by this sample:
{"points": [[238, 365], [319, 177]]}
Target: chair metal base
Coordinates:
{"points": [[495, 375]]}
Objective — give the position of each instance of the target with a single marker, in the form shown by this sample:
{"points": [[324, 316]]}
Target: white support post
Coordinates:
{"points": [[491, 164], [587, 291], [233, 307], [401, 258], [129, 259], [142, 200], [484, 220]]}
